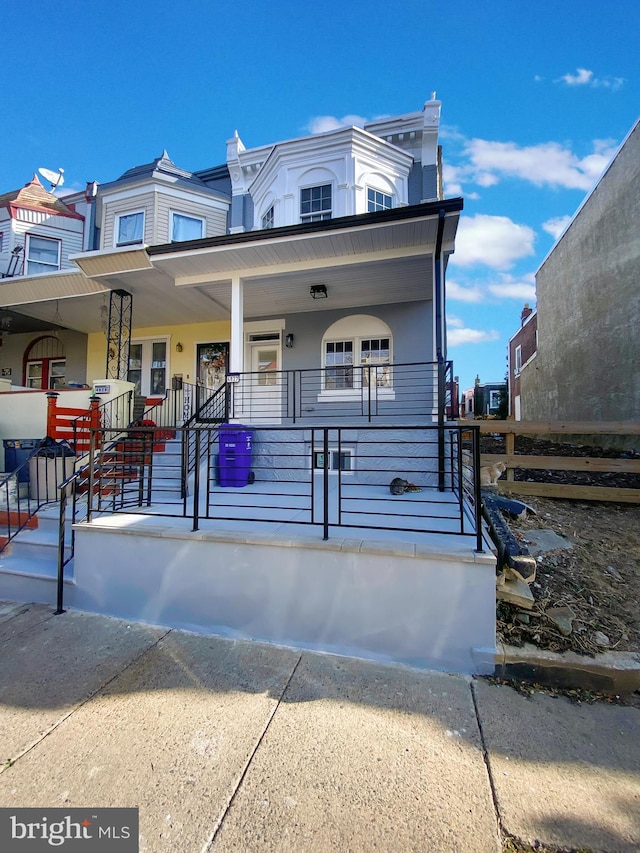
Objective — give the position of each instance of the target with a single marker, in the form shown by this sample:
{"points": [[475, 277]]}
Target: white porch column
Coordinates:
{"points": [[236, 345]]}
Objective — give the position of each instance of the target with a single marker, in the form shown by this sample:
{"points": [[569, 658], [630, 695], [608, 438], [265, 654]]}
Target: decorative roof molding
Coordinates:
{"points": [[33, 196]]}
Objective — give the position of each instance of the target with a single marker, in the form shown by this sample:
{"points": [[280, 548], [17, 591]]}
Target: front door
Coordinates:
{"points": [[148, 367], [266, 378], [212, 364]]}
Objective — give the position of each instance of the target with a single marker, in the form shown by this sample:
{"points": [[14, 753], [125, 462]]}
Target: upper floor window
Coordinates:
{"points": [[315, 203], [378, 201], [267, 219], [517, 367], [43, 254], [1, 241], [129, 228], [186, 227]]}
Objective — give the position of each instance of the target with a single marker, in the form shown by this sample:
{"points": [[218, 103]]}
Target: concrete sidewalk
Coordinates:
{"points": [[233, 746]]}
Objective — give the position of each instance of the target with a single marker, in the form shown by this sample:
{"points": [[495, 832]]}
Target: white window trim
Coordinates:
{"points": [[116, 227], [159, 339], [382, 192], [333, 448], [184, 215], [359, 389], [517, 357], [29, 260], [271, 210], [308, 217]]}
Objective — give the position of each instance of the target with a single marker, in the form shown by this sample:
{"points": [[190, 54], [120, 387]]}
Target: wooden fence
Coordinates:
{"points": [[546, 429]]}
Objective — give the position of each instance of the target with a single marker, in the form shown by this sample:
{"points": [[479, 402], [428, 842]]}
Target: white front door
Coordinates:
{"points": [[266, 381]]}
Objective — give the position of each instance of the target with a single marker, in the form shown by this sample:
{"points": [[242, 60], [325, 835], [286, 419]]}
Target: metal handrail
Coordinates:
{"points": [[291, 455], [368, 391], [105, 416], [12, 530]]}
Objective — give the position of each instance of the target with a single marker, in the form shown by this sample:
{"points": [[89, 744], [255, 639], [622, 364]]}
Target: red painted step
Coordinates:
{"points": [[15, 518]]}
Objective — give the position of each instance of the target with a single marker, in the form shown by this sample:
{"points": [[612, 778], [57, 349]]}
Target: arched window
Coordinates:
{"points": [[44, 363], [357, 352]]}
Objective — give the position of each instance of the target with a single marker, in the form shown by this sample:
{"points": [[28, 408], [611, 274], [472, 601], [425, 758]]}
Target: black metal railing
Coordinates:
{"points": [[370, 477], [410, 391], [111, 414], [32, 485]]}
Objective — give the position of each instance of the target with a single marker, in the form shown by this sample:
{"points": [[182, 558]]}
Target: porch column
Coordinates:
{"points": [[236, 345]]}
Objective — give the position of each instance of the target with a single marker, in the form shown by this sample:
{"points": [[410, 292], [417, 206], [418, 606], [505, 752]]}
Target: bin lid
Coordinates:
{"points": [[51, 449]]}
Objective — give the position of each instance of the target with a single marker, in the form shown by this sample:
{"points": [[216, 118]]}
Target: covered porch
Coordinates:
{"points": [[276, 300]]}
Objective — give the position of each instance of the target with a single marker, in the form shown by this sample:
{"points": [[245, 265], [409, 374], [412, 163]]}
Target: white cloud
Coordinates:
{"points": [[556, 226], [322, 124], [495, 241], [464, 335], [509, 287], [451, 175], [548, 163], [585, 77], [463, 294], [580, 79]]}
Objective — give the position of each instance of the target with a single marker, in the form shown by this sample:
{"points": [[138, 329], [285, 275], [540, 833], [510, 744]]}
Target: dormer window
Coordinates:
{"points": [[378, 201], [315, 203], [268, 218], [186, 227], [130, 228], [43, 254]]}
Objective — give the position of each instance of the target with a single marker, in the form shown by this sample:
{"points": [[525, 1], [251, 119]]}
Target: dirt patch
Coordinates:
{"points": [[596, 582]]}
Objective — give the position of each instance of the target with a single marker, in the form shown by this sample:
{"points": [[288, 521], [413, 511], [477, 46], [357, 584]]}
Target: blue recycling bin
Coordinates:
{"points": [[234, 459], [17, 451]]}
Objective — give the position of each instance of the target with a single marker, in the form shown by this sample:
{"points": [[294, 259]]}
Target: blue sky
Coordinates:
{"points": [[535, 95]]}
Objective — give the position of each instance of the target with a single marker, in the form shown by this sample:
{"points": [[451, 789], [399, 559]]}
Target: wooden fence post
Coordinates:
{"points": [[510, 449]]}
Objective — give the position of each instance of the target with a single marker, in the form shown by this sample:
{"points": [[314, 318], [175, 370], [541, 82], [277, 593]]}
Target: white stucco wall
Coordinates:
{"points": [[387, 601]]}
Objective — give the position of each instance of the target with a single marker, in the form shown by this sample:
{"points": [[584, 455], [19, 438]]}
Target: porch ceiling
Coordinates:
{"points": [[375, 264]]}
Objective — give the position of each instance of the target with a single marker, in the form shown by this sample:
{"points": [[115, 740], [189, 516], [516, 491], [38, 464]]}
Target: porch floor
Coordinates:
{"points": [[283, 511]]}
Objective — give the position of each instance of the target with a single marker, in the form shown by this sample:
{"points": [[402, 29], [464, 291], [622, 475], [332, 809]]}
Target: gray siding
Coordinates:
{"points": [[158, 207], [410, 324], [414, 187], [429, 182], [216, 220], [111, 209]]}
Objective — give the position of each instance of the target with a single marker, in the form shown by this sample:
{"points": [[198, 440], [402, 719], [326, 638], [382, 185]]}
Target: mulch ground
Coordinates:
{"points": [[598, 578]]}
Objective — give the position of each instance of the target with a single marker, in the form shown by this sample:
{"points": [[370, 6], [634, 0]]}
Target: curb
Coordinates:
{"points": [[612, 673]]}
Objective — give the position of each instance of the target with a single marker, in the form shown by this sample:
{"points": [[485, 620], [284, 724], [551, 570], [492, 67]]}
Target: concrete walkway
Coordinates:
{"points": [[234, 746]]}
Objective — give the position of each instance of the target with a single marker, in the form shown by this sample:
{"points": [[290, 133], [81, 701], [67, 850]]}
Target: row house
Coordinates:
{"points": [[287, 309]]}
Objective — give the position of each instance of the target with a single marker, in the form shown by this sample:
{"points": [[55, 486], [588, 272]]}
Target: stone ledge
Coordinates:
{"points": [[382, 547], [614, 673]]}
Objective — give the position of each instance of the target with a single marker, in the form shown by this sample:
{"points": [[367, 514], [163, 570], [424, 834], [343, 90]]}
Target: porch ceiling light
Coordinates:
{"points": [[318, 291]]}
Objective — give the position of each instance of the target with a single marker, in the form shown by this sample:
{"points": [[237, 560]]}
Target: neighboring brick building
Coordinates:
{"points": [[523, 347]]}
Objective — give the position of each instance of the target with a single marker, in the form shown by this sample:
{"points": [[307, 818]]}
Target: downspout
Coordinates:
{"points": [[439, 310]]}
